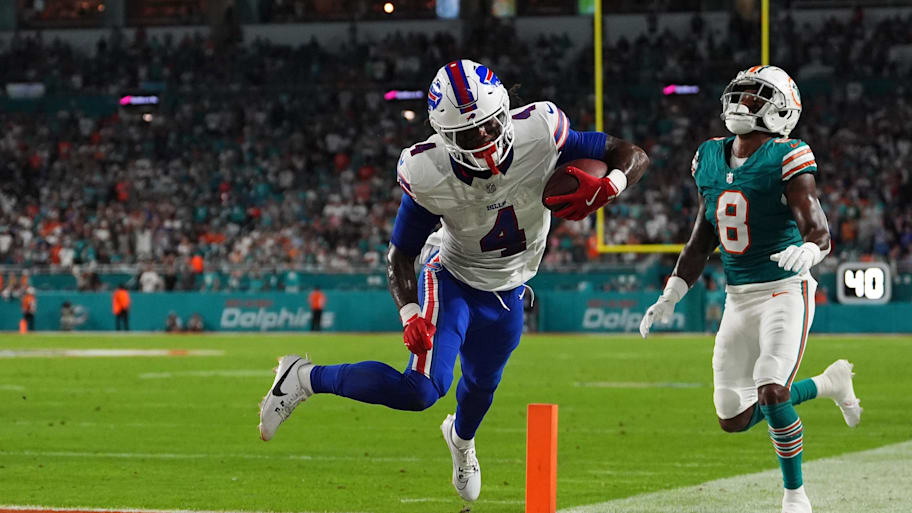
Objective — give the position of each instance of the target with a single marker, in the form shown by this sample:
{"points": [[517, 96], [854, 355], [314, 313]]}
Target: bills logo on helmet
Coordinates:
{"points": [[434, 95], [486, 76]]}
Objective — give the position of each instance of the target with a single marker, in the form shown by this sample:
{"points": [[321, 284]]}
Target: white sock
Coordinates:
{"points": [[459, 442], [796, 496], [304, 378], [824, 386]]}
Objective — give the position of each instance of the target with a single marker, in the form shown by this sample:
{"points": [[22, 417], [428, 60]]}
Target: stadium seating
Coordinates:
{"points": [[290, 164]]}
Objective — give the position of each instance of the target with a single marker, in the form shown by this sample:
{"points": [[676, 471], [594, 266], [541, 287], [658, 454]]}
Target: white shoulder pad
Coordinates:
{"points": [[419, 170], [798, 160], [556, 122]]}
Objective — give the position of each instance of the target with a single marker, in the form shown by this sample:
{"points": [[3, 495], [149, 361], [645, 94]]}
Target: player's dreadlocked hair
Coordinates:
{"points": [[515, 99]]}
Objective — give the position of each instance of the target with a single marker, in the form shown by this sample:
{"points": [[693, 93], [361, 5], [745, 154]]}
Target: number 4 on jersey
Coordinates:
{"points": [[506, 234]]}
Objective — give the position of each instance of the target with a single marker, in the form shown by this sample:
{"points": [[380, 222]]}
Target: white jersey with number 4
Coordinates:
{"points": [[494, 229]]}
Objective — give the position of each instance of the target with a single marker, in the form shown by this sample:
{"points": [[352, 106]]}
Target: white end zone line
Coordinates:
{"points": [[874, 481]]}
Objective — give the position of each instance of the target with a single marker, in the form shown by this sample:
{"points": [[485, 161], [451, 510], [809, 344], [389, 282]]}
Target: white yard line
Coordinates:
{"points": [[452, 500], [220, 456], [104, 353], [874, 481], [636, 384], [236, 373]]}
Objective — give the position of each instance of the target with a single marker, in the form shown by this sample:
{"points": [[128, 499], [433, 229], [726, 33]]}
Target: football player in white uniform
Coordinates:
{"points": [[481, 177], [758, 200]]}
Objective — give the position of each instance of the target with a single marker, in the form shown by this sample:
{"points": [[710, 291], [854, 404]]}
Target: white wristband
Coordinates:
{"points": [[675, 289], [619, 179], [408, 311]]}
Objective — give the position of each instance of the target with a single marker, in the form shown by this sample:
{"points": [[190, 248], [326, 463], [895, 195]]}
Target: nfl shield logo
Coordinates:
{"points": [[730, 177], [491, 187]]}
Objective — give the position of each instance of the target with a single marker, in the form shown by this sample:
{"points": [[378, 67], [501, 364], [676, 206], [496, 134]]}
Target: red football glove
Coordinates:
{"points": [[593, 193], [418, 334]]}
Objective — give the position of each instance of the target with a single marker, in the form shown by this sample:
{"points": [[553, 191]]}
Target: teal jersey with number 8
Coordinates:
{"points": [[747, 205]]}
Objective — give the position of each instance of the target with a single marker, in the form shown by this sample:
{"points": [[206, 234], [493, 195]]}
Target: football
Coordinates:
{"points": [[562, 182]]}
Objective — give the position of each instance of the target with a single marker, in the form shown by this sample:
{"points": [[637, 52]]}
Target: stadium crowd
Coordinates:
{"points": [[270, 156]]}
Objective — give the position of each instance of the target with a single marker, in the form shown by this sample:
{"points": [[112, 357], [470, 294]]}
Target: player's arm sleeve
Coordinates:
{"points": [[798, 161], [583, 145], [414, 224], [569, 143]]}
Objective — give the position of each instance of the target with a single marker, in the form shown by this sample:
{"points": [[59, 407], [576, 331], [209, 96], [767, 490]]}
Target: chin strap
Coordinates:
{"points": [[488, 155]]}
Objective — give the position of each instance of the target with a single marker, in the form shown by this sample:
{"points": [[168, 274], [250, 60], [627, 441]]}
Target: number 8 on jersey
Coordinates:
{"points": [[731, 218]]}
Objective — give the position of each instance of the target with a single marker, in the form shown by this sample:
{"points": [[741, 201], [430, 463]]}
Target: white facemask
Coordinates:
{"points": [[738, 124]]}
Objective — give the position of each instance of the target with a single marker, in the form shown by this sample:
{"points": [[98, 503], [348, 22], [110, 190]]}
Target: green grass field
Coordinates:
{"points": [[179, 432]]}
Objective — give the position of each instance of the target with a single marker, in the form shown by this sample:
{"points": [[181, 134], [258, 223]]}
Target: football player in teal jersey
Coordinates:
{"points": [[758, 200]]}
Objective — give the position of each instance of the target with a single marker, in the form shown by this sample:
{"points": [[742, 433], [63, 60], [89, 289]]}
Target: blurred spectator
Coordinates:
{"points": [[715, 298], [150, 281], [211, 281], [226, 171], [256, 283], [196, 263], [195, 323], [821, 297], [317, 302], [29, 308], [292, 282], [173, 323], [120, 305], [68, 319]]}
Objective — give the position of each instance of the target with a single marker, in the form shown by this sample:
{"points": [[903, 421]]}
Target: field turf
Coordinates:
{"points": [[179, 431]]}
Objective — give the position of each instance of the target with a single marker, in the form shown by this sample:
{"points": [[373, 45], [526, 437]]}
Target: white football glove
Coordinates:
{"points": [[798, 259], [664, 307]]}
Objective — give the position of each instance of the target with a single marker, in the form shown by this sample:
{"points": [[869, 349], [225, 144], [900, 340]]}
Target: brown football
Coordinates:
{"points": [[562, 182]]}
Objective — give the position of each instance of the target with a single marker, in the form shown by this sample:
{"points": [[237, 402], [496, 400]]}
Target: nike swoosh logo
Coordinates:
{"points": [[591, 201], [779, 293], [277, 389], [550, 110]]}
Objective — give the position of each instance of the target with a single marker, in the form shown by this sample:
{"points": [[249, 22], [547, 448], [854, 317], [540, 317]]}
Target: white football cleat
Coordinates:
{"points": [[796, 501], [290, 388], [466, 472], [839, 374]]}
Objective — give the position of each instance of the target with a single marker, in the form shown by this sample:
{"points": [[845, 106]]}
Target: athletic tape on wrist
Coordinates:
{"points": [[408, 311], [619, 179]]}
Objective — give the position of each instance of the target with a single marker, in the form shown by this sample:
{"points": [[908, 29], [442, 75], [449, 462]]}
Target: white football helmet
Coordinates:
{"points": [[467, 105], [763, 98]]}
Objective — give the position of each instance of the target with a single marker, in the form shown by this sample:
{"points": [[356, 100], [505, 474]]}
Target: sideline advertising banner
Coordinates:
{"points": [[373, 310], [614, 312], [276, 311]]}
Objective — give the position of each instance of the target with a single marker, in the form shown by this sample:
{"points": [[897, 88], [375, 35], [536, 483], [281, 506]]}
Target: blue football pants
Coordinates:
{"points": [[483, 328]]}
